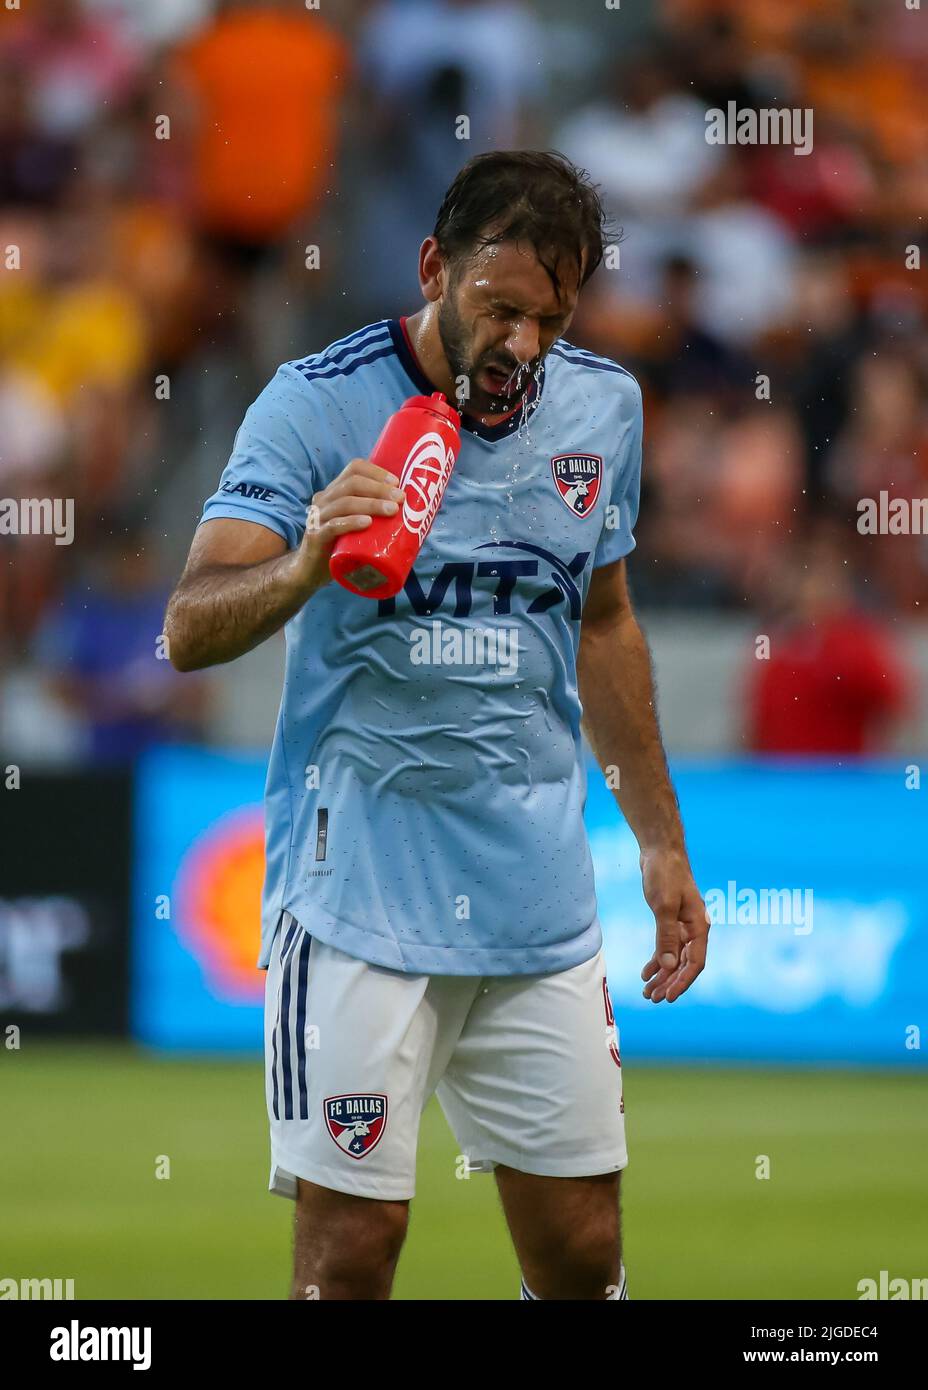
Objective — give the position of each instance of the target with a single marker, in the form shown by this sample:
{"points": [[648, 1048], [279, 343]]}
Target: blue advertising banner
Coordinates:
{"points": [[814, 879], [815, 882], [199, 864]]}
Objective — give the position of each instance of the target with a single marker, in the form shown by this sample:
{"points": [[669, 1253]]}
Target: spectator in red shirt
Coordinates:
{"points": [[833, 682]]}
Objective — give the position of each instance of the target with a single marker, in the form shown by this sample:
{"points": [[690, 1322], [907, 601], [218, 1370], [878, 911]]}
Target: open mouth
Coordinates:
{"points": [[501, 382]]}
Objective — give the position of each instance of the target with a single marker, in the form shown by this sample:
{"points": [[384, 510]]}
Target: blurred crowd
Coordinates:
{"points": [[193, 191]]}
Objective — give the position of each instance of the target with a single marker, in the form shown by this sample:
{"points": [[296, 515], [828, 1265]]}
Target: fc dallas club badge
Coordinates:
{"points": [[356, 1122], [577, 478]]}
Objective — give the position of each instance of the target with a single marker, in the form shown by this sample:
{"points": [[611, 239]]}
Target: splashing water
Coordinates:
{"points": [[514, 378], [528, 405]]}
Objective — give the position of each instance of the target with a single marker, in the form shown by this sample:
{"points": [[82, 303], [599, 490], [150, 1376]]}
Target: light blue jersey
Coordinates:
{"points": [[426, 784]]}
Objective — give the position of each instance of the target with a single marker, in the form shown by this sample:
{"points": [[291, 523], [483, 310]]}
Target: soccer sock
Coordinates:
{"points": [[618, 1294]]}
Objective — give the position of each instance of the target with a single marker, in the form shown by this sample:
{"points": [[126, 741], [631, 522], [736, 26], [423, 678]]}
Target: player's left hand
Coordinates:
{"points": [[682, 925]]}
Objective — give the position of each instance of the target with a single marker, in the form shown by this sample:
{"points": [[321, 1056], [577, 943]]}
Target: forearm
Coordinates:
{"points": [[223, 611], [620, 722]]}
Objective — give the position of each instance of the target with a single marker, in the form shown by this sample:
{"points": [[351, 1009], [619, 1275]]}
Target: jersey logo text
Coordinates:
{"points": [[424, 478], [255, 490], [577, 478], [460, 574], [356, 1122]]}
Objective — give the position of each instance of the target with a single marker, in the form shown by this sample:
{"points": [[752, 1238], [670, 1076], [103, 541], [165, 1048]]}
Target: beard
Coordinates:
{"points": [[455, 341]]}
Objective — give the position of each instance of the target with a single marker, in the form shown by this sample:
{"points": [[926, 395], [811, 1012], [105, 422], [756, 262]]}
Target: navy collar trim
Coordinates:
{"points": [[426, 387]]}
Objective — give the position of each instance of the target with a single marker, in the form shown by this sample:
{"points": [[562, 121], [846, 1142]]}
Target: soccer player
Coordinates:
{"points": [[429, 918]]}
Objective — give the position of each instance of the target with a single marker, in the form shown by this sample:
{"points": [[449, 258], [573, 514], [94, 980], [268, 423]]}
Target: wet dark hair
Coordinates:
{"points": [[532, 196]]}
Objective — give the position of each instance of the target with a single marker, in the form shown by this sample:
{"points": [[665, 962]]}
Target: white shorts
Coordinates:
{"points": [[526, 1067]]}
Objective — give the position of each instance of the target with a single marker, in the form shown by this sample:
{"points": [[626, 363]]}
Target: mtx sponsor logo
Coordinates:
{"points": [[458, 578]]}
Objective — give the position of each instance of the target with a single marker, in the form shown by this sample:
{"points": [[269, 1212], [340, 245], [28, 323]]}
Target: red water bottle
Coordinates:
{"points": [[419, 443]]}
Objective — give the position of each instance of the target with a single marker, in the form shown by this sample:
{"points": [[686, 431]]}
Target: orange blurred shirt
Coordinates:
{"points": [[267, 90], [767, 23], [876, 94]]}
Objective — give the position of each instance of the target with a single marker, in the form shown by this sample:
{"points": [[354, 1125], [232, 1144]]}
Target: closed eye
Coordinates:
{"points": [[508, 311]]}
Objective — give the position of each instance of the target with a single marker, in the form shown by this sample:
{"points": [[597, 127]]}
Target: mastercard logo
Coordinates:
{"points": [[219, 900]]}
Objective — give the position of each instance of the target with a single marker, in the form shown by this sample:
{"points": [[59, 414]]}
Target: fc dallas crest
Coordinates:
{"points": [[577, 478], [356, 1122]]}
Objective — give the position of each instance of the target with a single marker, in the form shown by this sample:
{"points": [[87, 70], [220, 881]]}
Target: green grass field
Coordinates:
{"points": [[83, 1128]]}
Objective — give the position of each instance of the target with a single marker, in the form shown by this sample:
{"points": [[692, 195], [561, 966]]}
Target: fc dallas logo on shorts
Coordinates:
{"points": [[356, 1122], [577, 478], [612, 1040], [610, 1026]]}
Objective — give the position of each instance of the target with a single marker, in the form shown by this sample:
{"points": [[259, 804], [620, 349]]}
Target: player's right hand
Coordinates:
{"points": [[361, 492]]}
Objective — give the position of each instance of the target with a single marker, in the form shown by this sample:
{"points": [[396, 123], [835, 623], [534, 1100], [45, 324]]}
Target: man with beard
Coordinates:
{"points": [[429, 910]]}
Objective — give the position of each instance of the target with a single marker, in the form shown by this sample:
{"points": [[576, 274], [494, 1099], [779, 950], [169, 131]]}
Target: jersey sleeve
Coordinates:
{"points": [[271, 475], [617, 539]]}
